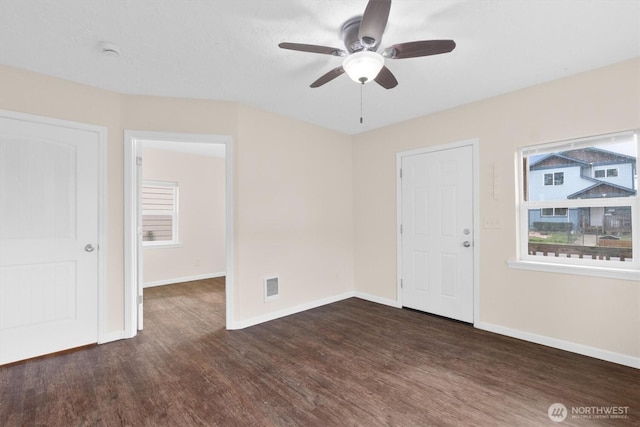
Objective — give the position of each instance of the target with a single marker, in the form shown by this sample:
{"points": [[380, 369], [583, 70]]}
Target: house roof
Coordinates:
{"points": [[228, 50], [602, 189], [589, 156]]}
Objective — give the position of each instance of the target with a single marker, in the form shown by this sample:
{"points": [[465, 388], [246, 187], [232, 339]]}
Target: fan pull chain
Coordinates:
{"points": [[361, 86]]}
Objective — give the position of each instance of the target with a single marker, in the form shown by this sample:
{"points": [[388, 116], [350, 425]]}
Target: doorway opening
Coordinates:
{"points": [[164, 163]]}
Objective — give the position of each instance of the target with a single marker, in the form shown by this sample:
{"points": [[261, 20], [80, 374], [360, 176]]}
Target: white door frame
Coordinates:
{"points": [[101, 133], [133, 146], [475, 144]]}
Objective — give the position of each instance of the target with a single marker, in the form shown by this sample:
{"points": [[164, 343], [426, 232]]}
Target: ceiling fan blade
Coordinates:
{"points": [[386, 79], [374, 21], [418, 48], [326, 50], [326, 78]]}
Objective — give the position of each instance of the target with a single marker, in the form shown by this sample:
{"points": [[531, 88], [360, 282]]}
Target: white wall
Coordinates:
{"points": [[201, 220]]}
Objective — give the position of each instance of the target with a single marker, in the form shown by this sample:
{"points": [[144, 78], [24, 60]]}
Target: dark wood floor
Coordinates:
{"points": [[352, 363]]}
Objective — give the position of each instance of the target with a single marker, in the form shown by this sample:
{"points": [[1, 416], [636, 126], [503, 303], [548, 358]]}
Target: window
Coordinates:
{"points": [[609, 173], [554, 212], [554, 178], [597, 223], [159, 213]]}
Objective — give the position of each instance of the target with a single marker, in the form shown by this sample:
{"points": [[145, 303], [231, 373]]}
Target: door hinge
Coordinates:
{"points": [[401, 284], [139, 299], [400, 173], [401, 229], [139, 161]]}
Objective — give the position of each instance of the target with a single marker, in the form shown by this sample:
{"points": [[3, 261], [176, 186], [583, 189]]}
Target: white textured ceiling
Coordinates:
{"points": [[227, 50]]}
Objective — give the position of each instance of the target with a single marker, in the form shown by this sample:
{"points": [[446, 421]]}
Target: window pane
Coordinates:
{"points": [[597, 171], [561, 212], [157, 228], [547, 211], [159, 211], [156, 197], [603, 233], [558, 178]]}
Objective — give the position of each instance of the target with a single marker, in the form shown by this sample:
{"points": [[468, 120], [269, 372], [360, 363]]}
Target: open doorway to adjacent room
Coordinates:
{"points": [[177, 214]]}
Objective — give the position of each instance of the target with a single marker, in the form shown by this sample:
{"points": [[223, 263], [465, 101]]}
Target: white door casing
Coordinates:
{"points": [[50, 238], [133, 140], [437, 251], [139, 253]]}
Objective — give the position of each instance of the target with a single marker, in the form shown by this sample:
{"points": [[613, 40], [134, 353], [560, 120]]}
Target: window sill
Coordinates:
{"points": [[611, 273], [161, 245]]}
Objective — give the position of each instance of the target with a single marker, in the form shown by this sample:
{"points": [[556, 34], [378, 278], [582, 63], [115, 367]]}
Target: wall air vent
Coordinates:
{"points": [[271, 288]]}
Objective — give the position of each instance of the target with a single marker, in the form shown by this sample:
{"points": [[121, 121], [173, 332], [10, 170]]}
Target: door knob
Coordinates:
{"points": [[466, 244], [89, 248]]}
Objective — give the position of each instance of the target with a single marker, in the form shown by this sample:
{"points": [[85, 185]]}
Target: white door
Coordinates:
{"points": [[48, 238], [437, 232]]}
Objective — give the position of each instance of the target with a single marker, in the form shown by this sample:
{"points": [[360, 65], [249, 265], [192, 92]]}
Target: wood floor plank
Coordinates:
{"points": [[352, 363]]}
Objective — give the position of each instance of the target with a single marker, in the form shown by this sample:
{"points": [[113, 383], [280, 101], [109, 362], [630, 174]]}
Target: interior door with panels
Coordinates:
{"points": [[48, 237], [437, 232]]}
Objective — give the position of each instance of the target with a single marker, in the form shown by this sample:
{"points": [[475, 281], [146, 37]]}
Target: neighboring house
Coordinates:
{"points": [[584, 173]]}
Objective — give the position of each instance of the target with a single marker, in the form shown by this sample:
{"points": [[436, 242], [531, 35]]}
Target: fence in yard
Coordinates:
{"points": [[593, 252]]}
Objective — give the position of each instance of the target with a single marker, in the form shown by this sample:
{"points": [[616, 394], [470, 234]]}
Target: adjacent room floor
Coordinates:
{"points": [[352, 363]]}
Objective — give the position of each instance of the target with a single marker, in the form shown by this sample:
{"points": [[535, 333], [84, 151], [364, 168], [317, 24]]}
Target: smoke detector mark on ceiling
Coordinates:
{"points": [[108, 49]]}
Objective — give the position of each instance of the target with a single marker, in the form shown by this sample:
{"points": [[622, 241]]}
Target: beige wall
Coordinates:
{"points": [[317, 207], [595, 312], [294, 215], [201, 219], [292, 197]]}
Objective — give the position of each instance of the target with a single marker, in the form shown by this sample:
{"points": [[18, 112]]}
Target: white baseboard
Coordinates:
{"points": [[378, 300], [585, 350], [183, 279], [241, 324]]}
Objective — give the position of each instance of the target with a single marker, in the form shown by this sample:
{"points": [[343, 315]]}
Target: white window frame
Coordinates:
{"points": [[573, 265], [174, 214]]}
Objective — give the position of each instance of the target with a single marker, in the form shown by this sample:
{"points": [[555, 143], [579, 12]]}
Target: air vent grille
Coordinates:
{"points": [[271, 288]]}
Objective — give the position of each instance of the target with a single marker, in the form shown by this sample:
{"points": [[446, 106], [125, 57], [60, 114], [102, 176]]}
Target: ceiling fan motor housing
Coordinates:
{"points": [[349, 34]]}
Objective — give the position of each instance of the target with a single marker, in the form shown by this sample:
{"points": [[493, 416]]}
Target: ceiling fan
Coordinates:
{"points": [[362, 36]]}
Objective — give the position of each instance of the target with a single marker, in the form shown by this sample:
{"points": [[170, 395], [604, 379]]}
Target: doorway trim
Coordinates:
{"points": [[475, 145], [132, 148]]}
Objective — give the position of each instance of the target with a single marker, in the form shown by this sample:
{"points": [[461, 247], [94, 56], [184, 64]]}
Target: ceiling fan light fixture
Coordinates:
{"points": [[363, 66]]}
